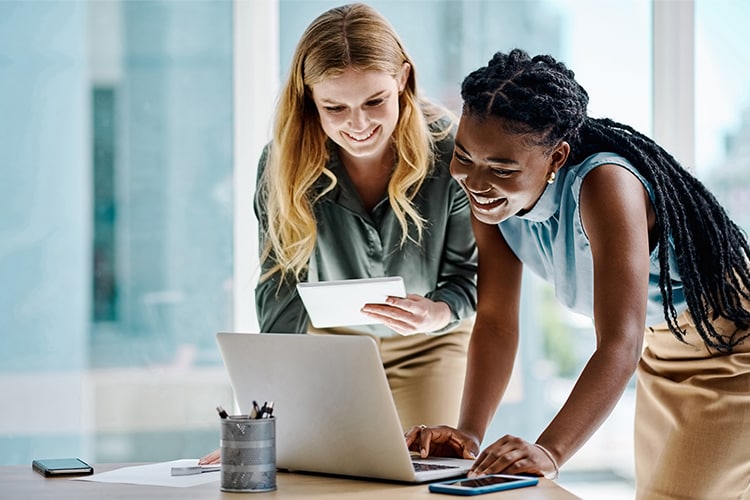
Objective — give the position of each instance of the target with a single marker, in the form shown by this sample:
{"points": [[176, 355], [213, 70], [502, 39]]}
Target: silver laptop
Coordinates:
{"points": [[335, 412]]}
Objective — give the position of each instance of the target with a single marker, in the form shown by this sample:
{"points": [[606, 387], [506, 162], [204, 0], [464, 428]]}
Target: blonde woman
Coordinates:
{"points": [[356, 184]]}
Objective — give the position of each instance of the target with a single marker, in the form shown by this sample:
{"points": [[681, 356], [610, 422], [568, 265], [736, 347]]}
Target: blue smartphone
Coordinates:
{"points": [[483, 484]]}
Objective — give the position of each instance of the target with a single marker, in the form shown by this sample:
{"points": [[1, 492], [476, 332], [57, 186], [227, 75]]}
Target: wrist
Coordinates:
{"points": [[474, 437], [444, 317], [555, 473]]}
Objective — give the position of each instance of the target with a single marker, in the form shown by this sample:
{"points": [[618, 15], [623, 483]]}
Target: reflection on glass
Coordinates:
{"points": [[722, 103], [161, 166], [116, 255]]}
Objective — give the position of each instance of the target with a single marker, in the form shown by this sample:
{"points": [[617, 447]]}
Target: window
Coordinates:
{"points": [[722, 103], [122, 208], [117, 222]]}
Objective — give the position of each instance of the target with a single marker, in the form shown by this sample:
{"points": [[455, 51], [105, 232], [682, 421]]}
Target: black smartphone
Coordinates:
{"points": [[483, 484], [49, 467]]}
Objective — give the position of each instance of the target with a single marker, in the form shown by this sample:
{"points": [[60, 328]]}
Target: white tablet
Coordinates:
{"points": [[338, 303]]}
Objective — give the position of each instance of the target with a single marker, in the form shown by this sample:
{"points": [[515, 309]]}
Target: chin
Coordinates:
{"points": [[487, 218], [365, 150]]}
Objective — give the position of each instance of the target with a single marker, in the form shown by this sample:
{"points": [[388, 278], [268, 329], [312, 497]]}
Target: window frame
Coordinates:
{"points": [[673, 60], [256, 83]]}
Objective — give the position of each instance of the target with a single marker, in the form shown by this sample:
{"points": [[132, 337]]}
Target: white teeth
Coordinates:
{"points": [[481, 200], [362, 138]]}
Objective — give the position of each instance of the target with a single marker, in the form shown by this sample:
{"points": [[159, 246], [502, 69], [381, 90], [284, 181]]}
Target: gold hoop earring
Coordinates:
{"points": [[551, 178]]}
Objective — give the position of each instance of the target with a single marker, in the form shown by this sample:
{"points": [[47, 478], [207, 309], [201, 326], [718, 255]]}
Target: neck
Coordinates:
{"points": [[381, 163]]}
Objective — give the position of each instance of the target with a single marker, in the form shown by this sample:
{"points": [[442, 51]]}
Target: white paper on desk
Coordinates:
{"points": [[159, 474]]}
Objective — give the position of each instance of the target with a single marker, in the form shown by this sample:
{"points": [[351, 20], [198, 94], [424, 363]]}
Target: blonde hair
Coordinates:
{"points": [[352, 36]]}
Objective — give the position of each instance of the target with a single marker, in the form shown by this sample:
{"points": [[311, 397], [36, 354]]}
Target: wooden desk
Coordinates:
{"points": [[19, 482]]}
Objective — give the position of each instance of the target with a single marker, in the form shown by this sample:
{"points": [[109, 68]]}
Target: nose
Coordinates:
{"points": [[358, 120], [474, 185], [471, 180]]}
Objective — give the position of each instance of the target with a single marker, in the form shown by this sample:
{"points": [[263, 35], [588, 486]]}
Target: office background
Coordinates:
{"points": [[129, 135]]}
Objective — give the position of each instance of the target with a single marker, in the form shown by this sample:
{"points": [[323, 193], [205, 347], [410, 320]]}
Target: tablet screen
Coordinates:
{"points": [[338, 303]]}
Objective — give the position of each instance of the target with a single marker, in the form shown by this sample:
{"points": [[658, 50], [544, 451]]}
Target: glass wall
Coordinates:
{"points": [[116, 226], [117, 202], [722, 103]]}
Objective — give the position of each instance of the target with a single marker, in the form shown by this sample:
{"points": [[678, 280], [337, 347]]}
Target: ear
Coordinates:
{"points": [[559, 156], [403, 76]]}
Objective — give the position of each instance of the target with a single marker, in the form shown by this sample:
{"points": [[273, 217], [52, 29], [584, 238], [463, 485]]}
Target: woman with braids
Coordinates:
{"points": [[356, 184], [626, 236]]}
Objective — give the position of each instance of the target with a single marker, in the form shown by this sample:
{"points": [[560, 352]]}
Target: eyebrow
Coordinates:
{"points": [[504, 161], [380, 93]]}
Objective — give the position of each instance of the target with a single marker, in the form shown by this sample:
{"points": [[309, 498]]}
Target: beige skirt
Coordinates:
{"points": [[692, 420], [425, 372]]}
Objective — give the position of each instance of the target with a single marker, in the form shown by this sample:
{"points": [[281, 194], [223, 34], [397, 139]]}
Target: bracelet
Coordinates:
{"points": [[556, 473]]}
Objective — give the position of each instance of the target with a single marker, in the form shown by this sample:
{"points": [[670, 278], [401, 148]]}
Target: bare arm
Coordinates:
{"points": [[492, 350], [615, 215], [494, 341]]}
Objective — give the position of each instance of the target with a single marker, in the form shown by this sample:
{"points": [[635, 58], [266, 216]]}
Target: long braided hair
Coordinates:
{"points": [[539, 96]]}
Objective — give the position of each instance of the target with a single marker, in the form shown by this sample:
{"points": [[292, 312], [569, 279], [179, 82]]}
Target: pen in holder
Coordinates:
{"points": [[248, 453]]}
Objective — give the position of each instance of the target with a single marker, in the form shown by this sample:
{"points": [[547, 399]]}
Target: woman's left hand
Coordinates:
{"points": [[413, 314], [513, 455], [212, 458]]}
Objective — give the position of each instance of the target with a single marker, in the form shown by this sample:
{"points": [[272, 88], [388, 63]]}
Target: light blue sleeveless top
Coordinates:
{"points": [[550, 240]]}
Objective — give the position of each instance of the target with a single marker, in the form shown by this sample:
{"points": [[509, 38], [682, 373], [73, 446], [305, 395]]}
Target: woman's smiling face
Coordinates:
{"points": [[359, 110], [503, 173]]}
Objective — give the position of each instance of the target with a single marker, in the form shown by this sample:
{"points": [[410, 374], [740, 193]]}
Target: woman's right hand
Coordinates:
{"points": [[441, 441], [212, 458]]}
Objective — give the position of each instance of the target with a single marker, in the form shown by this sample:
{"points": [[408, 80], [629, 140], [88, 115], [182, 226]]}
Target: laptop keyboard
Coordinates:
{"points": [[420, 466]]}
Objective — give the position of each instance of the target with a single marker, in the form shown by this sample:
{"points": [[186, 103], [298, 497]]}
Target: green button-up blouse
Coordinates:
{"points": [[352, 243]]}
